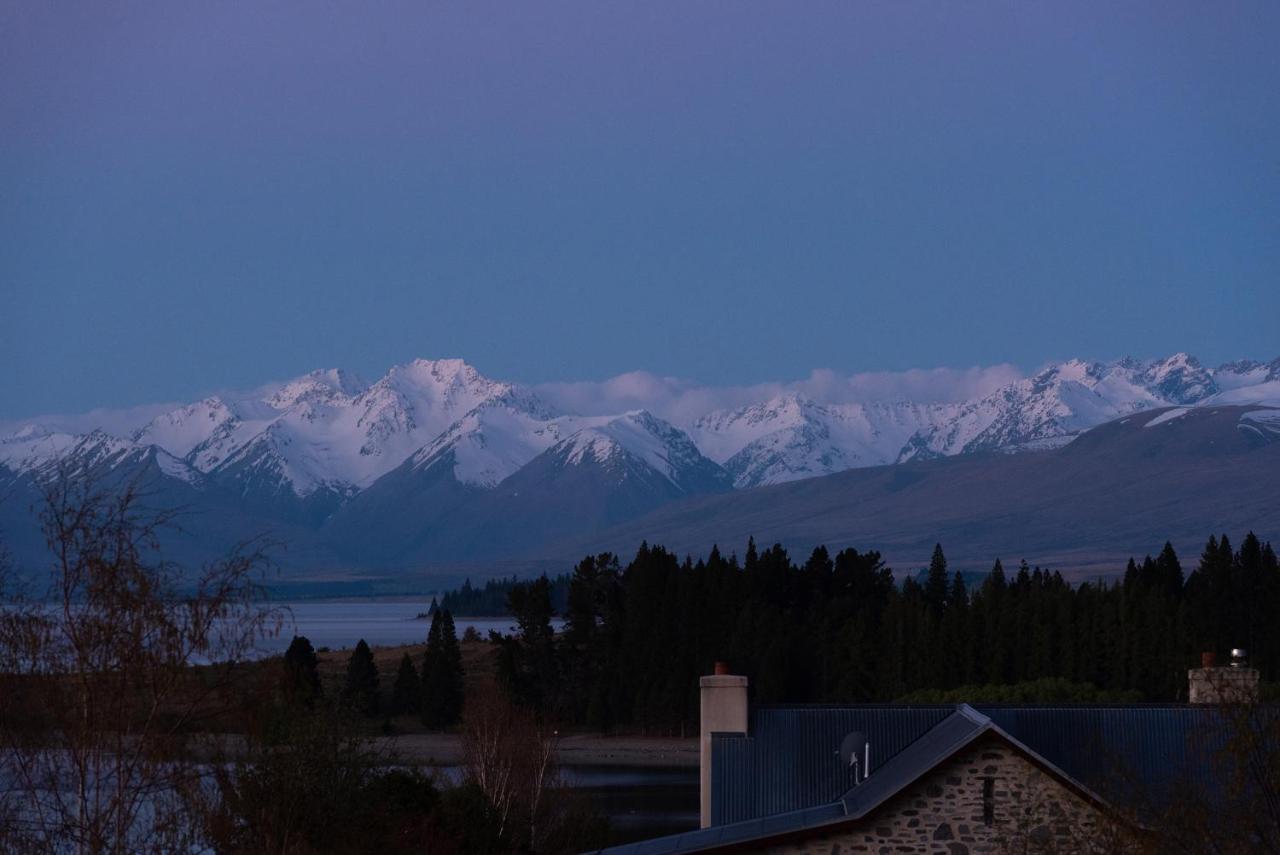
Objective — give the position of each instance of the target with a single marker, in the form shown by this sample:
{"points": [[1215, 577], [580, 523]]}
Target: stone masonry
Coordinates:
{"points": [[989, 798], [1223, 685]]}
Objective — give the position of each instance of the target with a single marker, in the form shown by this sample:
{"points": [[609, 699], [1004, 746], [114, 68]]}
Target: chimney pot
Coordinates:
{"points": [[1208, 660], [722, 668]]}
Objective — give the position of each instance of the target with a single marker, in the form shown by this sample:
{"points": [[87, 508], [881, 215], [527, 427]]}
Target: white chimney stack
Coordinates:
{"points": [[723, 710]]}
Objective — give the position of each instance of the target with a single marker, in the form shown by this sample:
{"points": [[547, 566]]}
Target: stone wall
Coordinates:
{"points": [[1223, 685], [986, 799]]}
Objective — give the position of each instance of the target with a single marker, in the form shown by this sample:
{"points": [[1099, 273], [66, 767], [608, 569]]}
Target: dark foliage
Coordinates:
{"points": [[319, 789], [838, 629], [361, 689], [442, 674], [491, 600], [406, 694], [528, 664], [300, 680]]}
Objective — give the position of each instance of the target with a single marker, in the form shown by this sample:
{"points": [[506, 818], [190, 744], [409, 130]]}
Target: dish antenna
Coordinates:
{"points": [[855, 754]]}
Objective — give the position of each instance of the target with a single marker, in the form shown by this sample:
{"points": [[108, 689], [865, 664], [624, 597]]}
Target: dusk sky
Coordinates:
{"points": [[205, 196]]}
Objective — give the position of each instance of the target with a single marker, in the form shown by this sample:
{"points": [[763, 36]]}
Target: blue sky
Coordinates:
{"points": [[204, 196]]}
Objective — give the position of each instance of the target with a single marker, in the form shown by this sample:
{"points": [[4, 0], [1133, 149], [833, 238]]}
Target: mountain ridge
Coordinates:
{"points": [[381, 471]]}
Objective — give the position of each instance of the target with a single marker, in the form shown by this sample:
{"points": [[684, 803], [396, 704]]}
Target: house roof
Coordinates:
{"points": [[963, 726], [789, 761], [940, 743]]}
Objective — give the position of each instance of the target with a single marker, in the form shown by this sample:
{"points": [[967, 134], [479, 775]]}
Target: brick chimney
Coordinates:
{"points": [[1212, 683], [723, 710]]}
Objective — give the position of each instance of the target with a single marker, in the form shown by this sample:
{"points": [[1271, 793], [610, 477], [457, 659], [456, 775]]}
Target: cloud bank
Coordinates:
{"points": [[677, 400], [681, 401]]}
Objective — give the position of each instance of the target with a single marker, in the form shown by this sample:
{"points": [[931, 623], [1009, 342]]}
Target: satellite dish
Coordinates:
{"points": [[852, 749]]}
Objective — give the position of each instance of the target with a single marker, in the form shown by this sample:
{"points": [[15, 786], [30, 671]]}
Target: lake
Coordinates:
{"points": [[640, 802], [339, 625]]}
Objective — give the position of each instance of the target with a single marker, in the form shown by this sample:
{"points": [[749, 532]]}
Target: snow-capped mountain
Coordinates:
{"points": [[493, 440], [325, 432], [326, 437], [435, 462], [44, 455], [511, 473], [790, 437], [640, 445]]}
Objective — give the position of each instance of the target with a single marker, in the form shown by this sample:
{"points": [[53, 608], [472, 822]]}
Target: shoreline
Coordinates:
{"points": [[445, 749]]}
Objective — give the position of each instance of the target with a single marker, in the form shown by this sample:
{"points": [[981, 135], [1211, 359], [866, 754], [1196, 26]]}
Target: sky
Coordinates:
{"points": [[200, 196]]}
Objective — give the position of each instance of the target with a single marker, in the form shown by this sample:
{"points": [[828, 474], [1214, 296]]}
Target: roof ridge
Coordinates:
{"points": [[972, 715]]}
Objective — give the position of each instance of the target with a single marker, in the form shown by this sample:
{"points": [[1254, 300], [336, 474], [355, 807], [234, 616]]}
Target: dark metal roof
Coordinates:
{"points": [[789, 761], [786, 775], [941, 741], [961, 727], [738, 832]]}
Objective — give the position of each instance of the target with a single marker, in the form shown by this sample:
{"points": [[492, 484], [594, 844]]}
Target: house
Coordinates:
{"points": [[949, 779]]}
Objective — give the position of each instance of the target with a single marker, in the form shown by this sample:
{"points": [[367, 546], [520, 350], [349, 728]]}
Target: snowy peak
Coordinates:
{"points": [[1180, 379], [639, 440], [419, 399], [34, 446], [327, 386], [724, 433], [493, 440], [327, 434], [448, 384], [326, 431], [47, 455], [789, 437], [182, 430]]}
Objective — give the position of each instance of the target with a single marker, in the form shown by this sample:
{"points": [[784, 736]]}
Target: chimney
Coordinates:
{"points": [[1212, 683], [723, 710]]}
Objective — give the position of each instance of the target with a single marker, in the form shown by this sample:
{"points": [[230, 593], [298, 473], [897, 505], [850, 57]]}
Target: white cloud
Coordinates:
{"points": [[672, 398], [120, 421], [678, 400], [681, 401], [924, 385]]}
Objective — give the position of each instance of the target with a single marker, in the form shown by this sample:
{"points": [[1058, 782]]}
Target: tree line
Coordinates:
{"points": [[490, 600], [840, 629], [434, 691]]}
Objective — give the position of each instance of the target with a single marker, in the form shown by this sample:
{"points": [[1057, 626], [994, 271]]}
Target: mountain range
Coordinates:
{"points": [[434, 464]]}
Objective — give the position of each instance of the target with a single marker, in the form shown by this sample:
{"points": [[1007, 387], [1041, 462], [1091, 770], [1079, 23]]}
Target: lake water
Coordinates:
{"points": [[339, 625], [640, 802]]}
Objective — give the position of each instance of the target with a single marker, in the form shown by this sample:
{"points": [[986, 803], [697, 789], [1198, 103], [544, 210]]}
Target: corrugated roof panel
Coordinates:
{"points": [[940, 742], [787, 775], [790, 759]]}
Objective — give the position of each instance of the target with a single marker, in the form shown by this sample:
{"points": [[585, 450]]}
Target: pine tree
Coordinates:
{"points": [[428, 706], [361, 689], [954, 635], [454, 676], [406, 694], [936, 584], [300, 682], [442, 677], [527, 663]]}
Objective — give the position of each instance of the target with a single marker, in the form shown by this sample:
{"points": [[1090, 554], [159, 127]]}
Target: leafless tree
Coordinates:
{"points": [[1220, 790], [105, 677], [1228, 803], [509, 755]]}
